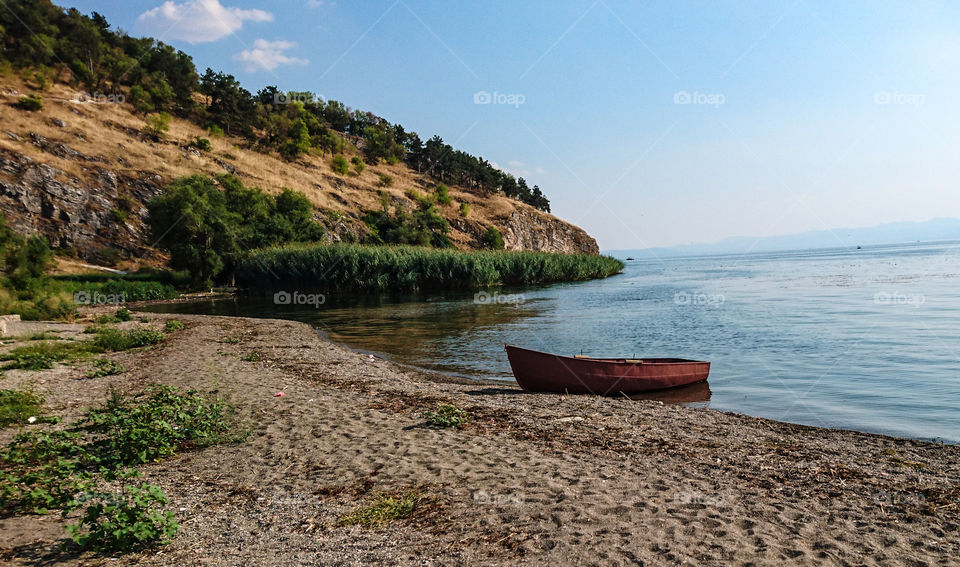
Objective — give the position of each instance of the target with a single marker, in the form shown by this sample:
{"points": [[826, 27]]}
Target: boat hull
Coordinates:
{"points": [[544, 372]]}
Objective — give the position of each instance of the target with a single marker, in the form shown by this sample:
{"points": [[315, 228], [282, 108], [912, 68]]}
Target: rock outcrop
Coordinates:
{"points": [[529, 229]]}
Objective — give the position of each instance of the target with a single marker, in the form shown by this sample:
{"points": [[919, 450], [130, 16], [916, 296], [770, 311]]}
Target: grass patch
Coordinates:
{"points": [[385, 508], [353, 267], [41, 336], [44, 355], [105, 367], [173, 325], [447, 415], [252, 357], [116, 339], [18, 406]]}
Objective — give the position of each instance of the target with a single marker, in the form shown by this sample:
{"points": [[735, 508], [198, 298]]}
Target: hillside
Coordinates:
{"points": [[80, 171]]}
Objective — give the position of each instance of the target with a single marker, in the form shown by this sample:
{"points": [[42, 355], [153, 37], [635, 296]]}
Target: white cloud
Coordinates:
{"points": [[519, 169], [268, 55], [197, 21]]}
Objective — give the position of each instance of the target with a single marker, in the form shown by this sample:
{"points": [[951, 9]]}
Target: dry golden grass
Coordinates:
{"points": [[112, 132]]}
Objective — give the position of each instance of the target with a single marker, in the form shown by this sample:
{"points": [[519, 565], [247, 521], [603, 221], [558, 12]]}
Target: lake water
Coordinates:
{"points": [[857, 339]]}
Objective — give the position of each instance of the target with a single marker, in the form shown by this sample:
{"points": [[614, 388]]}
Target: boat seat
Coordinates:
{"points": [[580, 356], [633, 361]]}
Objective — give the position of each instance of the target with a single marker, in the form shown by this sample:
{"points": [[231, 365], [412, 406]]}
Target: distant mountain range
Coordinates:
{"points": [[890, 233]]}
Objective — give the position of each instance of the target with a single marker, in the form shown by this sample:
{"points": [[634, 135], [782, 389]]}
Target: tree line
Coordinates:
{"points": [[39, 36]]}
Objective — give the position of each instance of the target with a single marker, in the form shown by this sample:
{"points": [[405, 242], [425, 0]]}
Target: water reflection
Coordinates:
{"points": [[695, 395]]}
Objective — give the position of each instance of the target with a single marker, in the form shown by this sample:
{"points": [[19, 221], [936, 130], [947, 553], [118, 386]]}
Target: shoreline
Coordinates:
{"points": [[510, 380], [534, 479]]}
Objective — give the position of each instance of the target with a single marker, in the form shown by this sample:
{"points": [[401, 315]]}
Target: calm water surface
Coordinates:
{"points": [[857, 339]]}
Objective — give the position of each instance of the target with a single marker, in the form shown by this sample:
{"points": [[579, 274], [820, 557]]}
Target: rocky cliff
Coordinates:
{"points": [[81, 173]]}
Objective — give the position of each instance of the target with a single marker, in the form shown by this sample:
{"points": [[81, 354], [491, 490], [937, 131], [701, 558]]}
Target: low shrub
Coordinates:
{"points": [[123, 314], [173, 325], [201, 144], [42, 471], [158, 423], [340, 165], [30, 102], [385, 180], [130, 519]]}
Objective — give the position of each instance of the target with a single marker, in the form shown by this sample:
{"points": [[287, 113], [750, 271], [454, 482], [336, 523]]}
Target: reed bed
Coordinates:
{"points": [[353, 267]]}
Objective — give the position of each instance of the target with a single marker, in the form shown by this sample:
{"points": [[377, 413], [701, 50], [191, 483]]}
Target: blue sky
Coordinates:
{"points": [[645, 123]]}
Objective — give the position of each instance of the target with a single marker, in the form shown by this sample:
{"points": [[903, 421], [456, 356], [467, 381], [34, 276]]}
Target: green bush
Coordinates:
{"points": [[493, 239], [173, 325], [131, 519], [30, 102], [215, 131], [340, 165], [464, 209], [358, 165], [123, 314], [443, 194], [201, 144], [157, 124], [385, 180], [18, 406], [447, 415], [116, 339]]}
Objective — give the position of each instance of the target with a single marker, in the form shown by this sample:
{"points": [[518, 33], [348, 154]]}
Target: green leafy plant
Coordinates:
{"points": [[105, 367], [123, 314], [464, 209], [42, 470], [252, 357], [158, 423], [383, 509], [130, 519], [447, 415], [144, 319], [112, 339], [173, 325]]}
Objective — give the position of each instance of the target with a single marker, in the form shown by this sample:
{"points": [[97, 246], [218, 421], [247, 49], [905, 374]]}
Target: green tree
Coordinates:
{"points": [[192, 221]]}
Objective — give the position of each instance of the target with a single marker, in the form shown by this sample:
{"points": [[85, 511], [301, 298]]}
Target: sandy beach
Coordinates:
{"points": [[534, 479]]}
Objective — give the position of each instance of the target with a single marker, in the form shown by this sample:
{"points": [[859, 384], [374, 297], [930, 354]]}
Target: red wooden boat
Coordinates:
{"points": [[544, 372]]}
